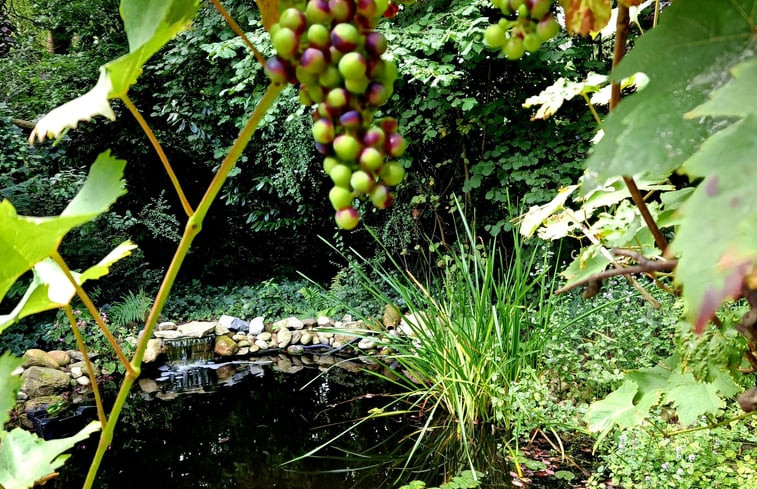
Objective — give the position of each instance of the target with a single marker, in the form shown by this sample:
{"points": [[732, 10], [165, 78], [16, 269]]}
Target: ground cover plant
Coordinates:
{"points": [[693, 106]]}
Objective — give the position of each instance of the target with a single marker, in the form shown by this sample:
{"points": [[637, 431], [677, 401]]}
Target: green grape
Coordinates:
{"points": [[494, 36], [514, 49]]}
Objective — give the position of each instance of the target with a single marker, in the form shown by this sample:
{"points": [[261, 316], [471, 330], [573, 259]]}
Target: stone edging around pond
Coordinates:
{"points": [[235, 337]]}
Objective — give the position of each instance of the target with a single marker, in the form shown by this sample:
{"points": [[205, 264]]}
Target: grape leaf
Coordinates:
{"points": [[25, 241], [685, 58], [690, 397], [586, 16], [736, 98], [26, 458], [149, 26], [618, 410], [590, 261], [50, 288], [551, 98], [536, 215], [9, 385], [717, 238]]}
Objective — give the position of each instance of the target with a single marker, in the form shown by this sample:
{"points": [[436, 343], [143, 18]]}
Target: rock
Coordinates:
{"points": [[294, 323], [197, 329], [82, 380], [41, 402], [222, 330], [168, 334], [265, 336], [77, 372], [225, 346], [391, 316], [167, 326], [254, 348], [44, 381], [21, 396], [153, 350], [61, 358], [347, 318], [279, 325], [296, 336], [307, 338], [261, 344], [350, 366], [342, 339], [18, 370], [295, 350], [285, 365], [309, 322], [239, 325], [284, 337], [257, 326], [226, 320], [38, 358], [132, 340], [324, 321], [243, 343], [367, 344], [243, 350], [148, 385], [77, 356]]}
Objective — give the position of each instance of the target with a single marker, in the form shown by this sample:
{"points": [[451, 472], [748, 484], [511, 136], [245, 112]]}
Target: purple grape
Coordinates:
{"points": [[318, 12], [351, 119], [395, 144], [374, 137], [324, 149], [293, 19], [377, 94], [342, 10], [345, 37], [313, 61], [277, 70], [375, 43]]}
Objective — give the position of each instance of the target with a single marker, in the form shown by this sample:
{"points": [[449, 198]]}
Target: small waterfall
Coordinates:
{"points": [[187, 351]]}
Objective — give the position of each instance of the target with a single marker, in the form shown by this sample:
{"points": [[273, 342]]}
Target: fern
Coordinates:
{"points": [[134, 308]]}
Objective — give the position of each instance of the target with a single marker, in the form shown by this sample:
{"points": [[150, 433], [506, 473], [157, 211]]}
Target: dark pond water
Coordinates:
{"points": [[237, 436]]}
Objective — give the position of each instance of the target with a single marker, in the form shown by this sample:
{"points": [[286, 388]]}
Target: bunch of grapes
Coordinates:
{"points": [[329, 48], [526, 25]]}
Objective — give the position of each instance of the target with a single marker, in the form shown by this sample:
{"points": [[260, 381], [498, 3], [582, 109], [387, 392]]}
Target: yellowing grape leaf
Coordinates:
{"points": [[586, 16], [149, 26], [685, 58], [269, 12], [51, 289], [9, 385], [551, 98], [26, 458], [619, 410]]}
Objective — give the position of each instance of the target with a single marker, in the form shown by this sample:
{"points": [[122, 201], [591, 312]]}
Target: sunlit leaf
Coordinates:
{"points": [[51, 289], [26, 241], [9, 385], [551, 98], [26, 458], [686, 57], [149, 26], [619, 410], [591, 260], [536, 215]]}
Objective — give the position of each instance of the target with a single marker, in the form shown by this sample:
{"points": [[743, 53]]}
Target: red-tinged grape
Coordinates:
{"points": [[513, 48], [362, 181], [313, 61], [319, 37], [318, 12], [539, 8], [381, 197], [323, 131], [392, 174], [374, 137], [323, 110], [375, 43], [371, 159], [346, 147], [342, 10], [331, 77], [345, 37], [366, 8], [352, 66], [340, 198], [337, 98], [285, 42], [351, 119], [329, 162], [547, 28], [396, 144], [494, 36], [381, 6], [324, 149], [377, 94], [341, 175], [391, 10], [347, 218], [357, 86], [277, 71], [531, 42], [293, 19], [389, 125]]}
